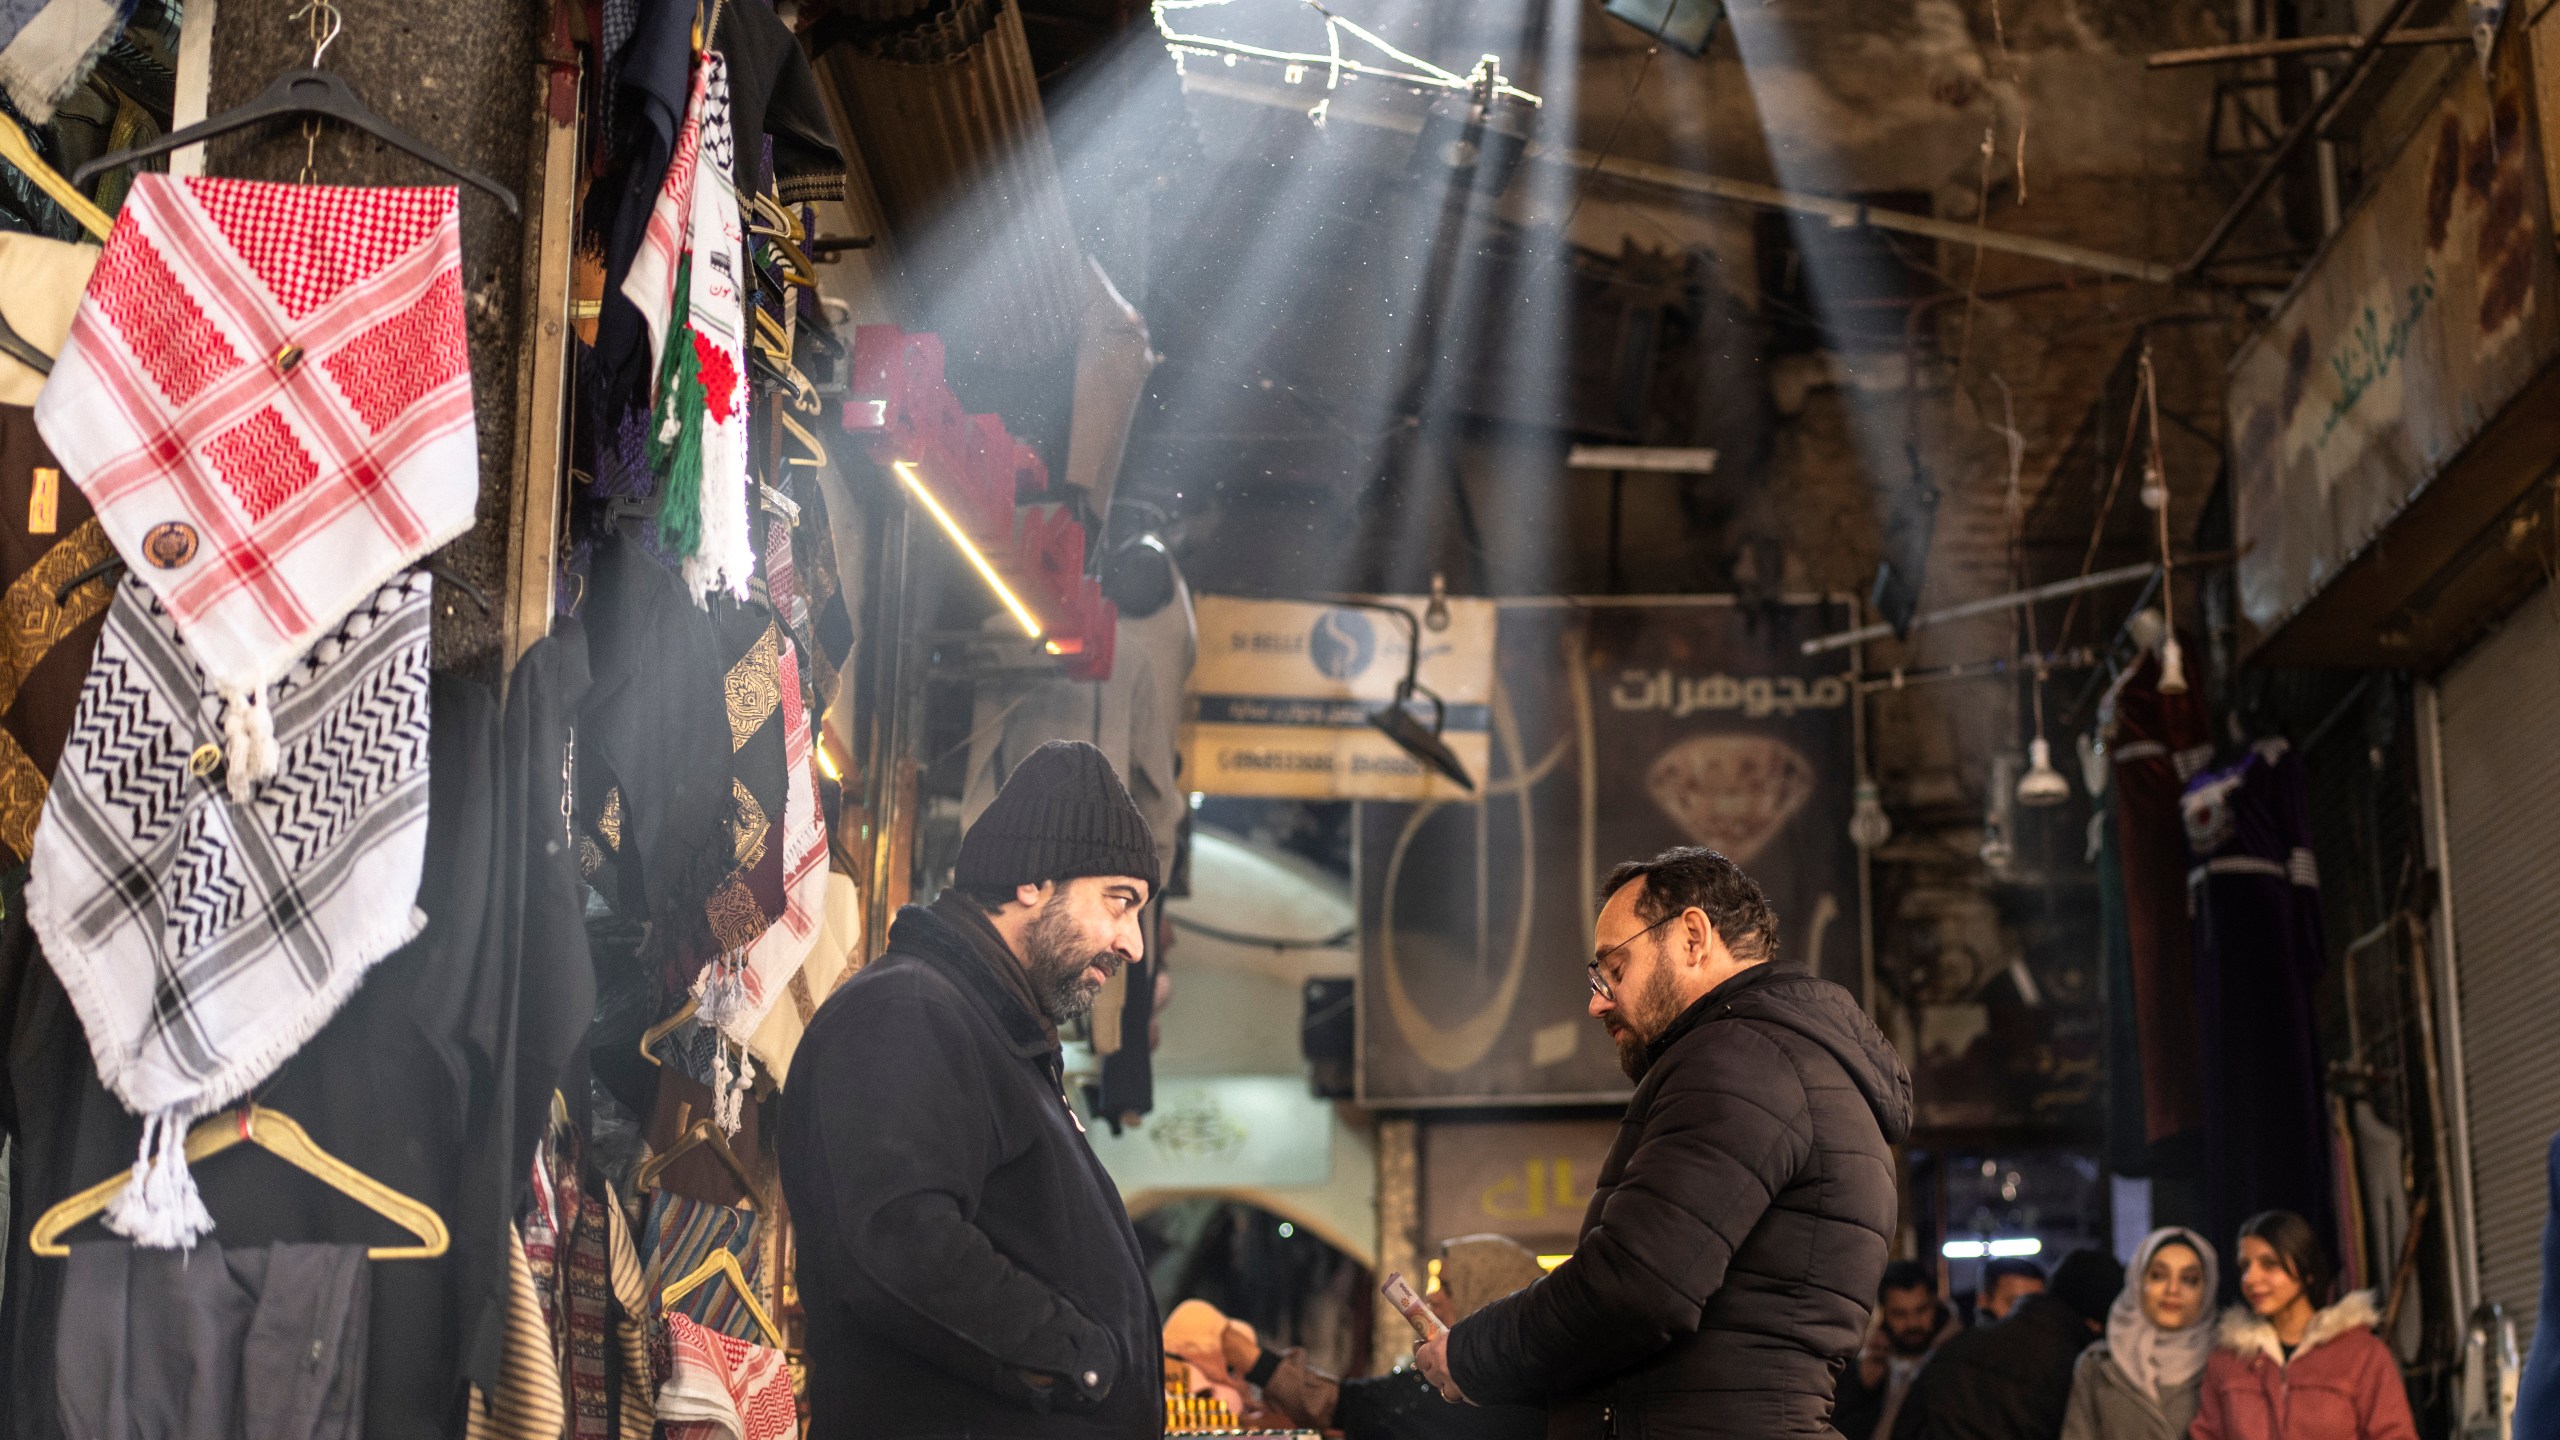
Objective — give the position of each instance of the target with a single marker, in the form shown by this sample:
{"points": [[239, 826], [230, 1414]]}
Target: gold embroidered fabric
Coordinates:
{"points": [[747, 824], [754, 686], [31, 624]]}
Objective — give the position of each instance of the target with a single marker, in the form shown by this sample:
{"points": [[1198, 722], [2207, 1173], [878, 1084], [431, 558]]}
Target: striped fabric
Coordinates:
{"points": [[634, 1313], [682, 1233], [530, 1403]]}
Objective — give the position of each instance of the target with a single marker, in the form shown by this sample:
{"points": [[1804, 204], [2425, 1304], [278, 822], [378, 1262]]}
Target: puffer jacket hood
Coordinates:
{"points": [[1823, 1013], [2244, 1332]]}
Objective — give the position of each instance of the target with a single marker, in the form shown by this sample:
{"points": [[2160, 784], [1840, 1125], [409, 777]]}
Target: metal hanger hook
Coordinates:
{"points": [[327, 24]]}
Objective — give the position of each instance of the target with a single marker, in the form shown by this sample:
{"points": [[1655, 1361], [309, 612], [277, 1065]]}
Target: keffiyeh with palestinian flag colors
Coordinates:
{"points": [[685, 283], [203, 942], [266, 395]]}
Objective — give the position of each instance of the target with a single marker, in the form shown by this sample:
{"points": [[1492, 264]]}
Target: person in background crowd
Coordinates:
{"points": [[2141, 1381], [963, 1257], [1475, 1270], [2005, 1282], [2012, 1380], [1911, 1322], [1744, 1215], [2288, 1366]]}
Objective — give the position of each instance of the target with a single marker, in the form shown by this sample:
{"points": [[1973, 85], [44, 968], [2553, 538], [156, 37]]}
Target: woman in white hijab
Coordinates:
{"points": [[2143, 1380]]}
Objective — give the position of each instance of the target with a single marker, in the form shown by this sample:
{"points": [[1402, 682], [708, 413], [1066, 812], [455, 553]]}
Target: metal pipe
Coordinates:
{"points": [[1993, 605], [2360, 61], [1841, 214], [2305, 45]]}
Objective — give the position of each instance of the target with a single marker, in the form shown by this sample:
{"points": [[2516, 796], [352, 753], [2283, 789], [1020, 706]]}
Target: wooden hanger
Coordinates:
{"points": [[701, 1133], [276, 1133], [19, 151], [723, 1262]]}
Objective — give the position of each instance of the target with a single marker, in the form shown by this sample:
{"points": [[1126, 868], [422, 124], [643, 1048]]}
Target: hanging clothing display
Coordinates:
{"points": [[48, 537], [724, 1388], [679, 1235], [216, 1344], [685, 285], [205, 942], [654, 745], [738, 1000], [2259, 953], [2157, 743], [267, 397], [40, 285], [830, 960]]}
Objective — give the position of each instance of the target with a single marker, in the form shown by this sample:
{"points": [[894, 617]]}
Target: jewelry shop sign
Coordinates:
{"points": [[1283, 692]]}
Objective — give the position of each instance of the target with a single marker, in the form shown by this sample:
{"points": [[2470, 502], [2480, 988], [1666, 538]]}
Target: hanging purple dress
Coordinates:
{"points": [[2255, 892]]}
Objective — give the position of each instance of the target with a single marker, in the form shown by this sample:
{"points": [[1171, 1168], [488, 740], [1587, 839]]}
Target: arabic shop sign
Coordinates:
{"points": [[1757, 697], [1223, 1132], [1283, 689], [2424, 316], [1528, 1179]]}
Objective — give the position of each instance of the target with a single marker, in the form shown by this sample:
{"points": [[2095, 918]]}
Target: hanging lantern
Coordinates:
{"points": [[2173, 667]]}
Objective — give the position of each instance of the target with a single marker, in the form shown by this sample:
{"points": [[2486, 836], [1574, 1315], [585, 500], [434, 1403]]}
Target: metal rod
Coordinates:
{"points": [[1842, 214], [2305, 45], [1662, 459], [2304, 126], [2057, 590], [2078, 657]]}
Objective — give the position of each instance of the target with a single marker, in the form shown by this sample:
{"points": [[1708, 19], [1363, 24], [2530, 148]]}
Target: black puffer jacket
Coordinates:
{"points": [[2009, 1381], [1735, 1235], [964, 1259]]}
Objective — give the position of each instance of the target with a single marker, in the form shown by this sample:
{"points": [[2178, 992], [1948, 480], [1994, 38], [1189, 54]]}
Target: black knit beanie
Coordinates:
{"points": [[2088, 1281], [1063, 813]]}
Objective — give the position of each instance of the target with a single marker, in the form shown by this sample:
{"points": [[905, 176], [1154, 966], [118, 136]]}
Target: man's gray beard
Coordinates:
{"points": [[1056, 965]]}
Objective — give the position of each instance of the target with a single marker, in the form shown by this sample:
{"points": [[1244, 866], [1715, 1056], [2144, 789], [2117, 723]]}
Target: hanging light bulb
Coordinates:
{"points": [[2042, 784], [2173, 667], [1869, 826]]}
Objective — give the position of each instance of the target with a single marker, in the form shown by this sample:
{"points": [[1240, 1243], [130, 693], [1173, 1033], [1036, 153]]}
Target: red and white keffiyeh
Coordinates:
{"points": [[267, 398], [685, 282], [724, 1388]]}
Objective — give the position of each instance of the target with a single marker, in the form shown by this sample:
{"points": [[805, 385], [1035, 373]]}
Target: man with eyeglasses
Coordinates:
{"points": [[1745, 1214]]}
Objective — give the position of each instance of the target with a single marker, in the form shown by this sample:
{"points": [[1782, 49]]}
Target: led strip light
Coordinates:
{"points": [[906, 472]]}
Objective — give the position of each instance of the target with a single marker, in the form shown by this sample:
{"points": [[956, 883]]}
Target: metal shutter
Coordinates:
{"points": [[2502, 833]]}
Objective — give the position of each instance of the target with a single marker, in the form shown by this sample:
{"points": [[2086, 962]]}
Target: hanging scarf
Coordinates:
{"points": [[724, 1388], [203, 942], [2152, 1358], [685, 283], [739, 1007], [737, 991], [267, 398]]}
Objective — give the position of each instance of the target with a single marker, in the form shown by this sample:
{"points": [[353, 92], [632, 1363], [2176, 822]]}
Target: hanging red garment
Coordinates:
{"points": [[2157, 743]]}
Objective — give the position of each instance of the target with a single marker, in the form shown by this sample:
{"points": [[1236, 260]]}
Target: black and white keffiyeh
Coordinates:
{"points": [[204, 940]]}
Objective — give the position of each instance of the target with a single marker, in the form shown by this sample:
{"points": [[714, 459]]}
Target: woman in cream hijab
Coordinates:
{"points": [[2143, 1380]]}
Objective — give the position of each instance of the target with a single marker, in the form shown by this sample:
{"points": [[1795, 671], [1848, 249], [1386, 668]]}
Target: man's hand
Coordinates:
{"points": [[1432, 1356]]}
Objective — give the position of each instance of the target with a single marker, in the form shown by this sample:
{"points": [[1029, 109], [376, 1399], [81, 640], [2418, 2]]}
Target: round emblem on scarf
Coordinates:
{"points": [[170, 544]]}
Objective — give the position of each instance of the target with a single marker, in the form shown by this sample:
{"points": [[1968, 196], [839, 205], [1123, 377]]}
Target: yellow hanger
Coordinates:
{"points": [[664, 1028], [817, 458], [21, 152], [722, 1262], [275, 1132]]}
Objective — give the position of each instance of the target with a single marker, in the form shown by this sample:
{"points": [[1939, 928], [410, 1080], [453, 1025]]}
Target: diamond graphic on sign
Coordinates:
{"points": [[1730, 793], [1342, 644]]}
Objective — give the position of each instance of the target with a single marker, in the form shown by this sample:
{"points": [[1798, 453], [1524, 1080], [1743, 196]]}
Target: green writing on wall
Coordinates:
{"points": [[2373, 346]]}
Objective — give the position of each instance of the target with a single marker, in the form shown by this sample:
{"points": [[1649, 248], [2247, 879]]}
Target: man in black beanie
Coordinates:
{"points": [[2012, 1380], [964, 1261]]}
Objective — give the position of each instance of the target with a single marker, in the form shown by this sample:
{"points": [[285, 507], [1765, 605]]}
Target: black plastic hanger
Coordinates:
{"points": [[19, 348], [304, 91]]}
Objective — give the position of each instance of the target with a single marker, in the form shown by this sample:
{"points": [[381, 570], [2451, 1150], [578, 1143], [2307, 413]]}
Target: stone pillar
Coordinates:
{"points": [[1399, 1216], [464, 76]]}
